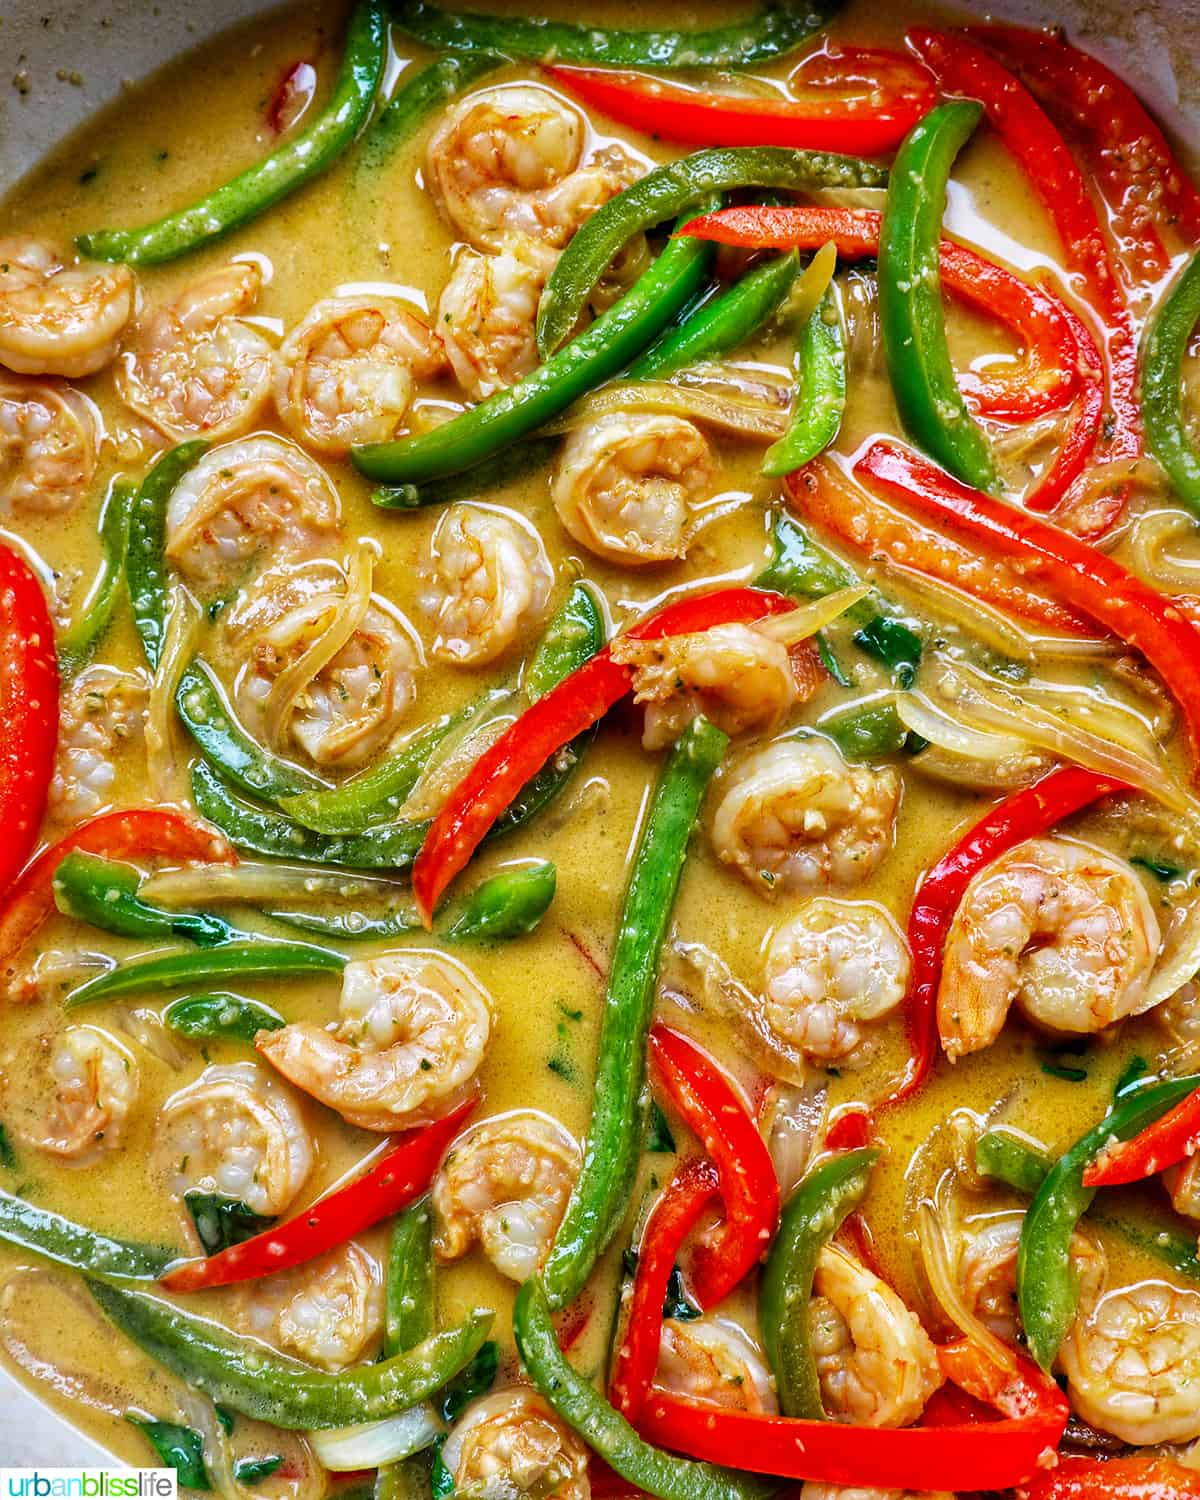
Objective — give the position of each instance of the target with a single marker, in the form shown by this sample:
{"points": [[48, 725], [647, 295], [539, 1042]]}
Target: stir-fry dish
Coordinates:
{"points": [[599, 720]]}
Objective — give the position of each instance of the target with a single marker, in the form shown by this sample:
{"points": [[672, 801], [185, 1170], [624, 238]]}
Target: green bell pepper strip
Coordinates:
{"points": [[221, 1016], [503, 468], [221, 1221], [600, 352], [811, 1216], [599, 1197], [1163, 350], [408, 1288], [103, 893], [679, 187], [720, 324], [74, 1245], [180, 1448], [247, 1377], [603, 1429], [820, 398], [287, 168], [911, 316], [862, 731], [350, 926], [774, 31], [145, 554], [76, 645], [421, 92], [374, 797], [572, 637], [253, 960], [509, 905], [1047, 1293]]}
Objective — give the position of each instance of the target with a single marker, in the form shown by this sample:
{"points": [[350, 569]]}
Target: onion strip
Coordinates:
{"points": [[369, 1445], [935, 1256], [179, 640], [743, 418], [979, 619], [1152, 534], [253, 882], [1180, 964], [940, 728]]}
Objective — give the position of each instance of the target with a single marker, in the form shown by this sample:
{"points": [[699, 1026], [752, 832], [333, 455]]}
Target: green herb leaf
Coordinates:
{"points": [[1065, 1072], [660, 1138], [8, 1157], [227, 1418], [1158, 868], [441, 1481], [830, 662], [180, 1448], [475, 1380], [221, 1221], [893, 644], [676, 1304], [251, 1470], [1134, 1073]]}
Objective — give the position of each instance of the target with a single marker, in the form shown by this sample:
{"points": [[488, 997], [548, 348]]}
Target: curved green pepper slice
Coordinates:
{"points": [[104, 893], [145, 556], [503, 468], [253, 960], [73, 1245], [509, 905], [221, 1016], [572, 637], [1165, 345], [820, 398], [75, 646]]}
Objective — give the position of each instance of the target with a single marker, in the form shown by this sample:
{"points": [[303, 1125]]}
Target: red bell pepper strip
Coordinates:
{"points": [[715, 1112], [865, 119], [1114, 1479], [577, 703], [1087, 423], [671, 1220], [1040, 321], [141, 832], [1169, 1140], [399, 1176], [1082, 576], [28, 709]]}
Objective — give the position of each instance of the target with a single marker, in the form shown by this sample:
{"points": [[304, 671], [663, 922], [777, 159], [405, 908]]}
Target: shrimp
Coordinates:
{"points": [[1183, 1184], [412, 1032], [328, 1311], [237, 1131], [814, 1491], [876, 1364], [1179, 1017], [94, 1088], [48, 446], [345, 374], [628, 485], [487, 580], [57, 319], [102, 717], [486, 321], [987, 1272], [506, 1183], [257, 495], [831, 971], [714, 1359], [1064, 930], [795, 815], [511, 1444], [195, 367]]}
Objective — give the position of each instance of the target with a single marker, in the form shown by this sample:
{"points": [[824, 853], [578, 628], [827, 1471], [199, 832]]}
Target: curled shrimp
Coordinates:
{"points": [[1183, 1185], [876, 1364], [412, 1031], [48, 444], [795, 815], [93, 1084], [328, 1311], [195, 367], [713, 1359], [55, 318], [506, 1183], [237, 1131], [628, 485], [259, 495], [102, 717], [345, 374], [510, 1443], [1064, 930], [487, 580], [486, 321]]}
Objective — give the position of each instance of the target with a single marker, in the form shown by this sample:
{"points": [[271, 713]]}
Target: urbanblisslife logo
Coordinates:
{"points": [[88, 1484]]}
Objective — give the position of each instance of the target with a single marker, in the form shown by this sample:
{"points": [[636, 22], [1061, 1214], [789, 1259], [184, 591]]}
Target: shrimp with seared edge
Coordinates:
{"points": [[194, 367], [486, 321], [511, 1444], [93, 1089], [48, 446], [328, 1311], [714, 1359], [412, 1031], [796, 815], [55, 318], [1063, 930], [487, 581], [237, 1131], [505, 1183], [102, 717], [346, 373]]}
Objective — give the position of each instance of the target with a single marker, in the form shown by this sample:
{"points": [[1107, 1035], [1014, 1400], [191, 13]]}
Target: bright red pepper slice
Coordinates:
{"points": [[28, 709], [854, 115], [1169, 1140], [672, 1219], [1087, 423], [135, 833], [1114, 1479], [715, 1112], [577, 703], [398, 1177], [1077, 573]]}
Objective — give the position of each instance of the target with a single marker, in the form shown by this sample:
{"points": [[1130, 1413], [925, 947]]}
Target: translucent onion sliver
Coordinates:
{"points": [[367, 1445]]}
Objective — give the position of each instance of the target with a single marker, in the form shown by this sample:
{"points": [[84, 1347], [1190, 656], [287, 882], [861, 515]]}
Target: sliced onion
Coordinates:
{"points": [[981, 620], [145, 1027], [369, 1444], [1179, 961], [458, 752], [980, 775], [179, 641], [745, 418], [794, 1114], [1097, 713], [935, 1256], [940, 728], [806, 619], [806, 294], [252, 882], [1152, 535], [725, 995], [1076, 648]]}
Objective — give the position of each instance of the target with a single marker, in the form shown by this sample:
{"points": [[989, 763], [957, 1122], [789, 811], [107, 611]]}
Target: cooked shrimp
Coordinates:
{"points": [[195, 367], [328, 1311], [94, 1087], [876, 1364], [486, 321], [795, 815], [506, 1183], [57, 319], [714, 1359], [987, 1272], [628, 485], [259, 495], [813, 1491], [345, 374], [1183, 1184], [238, 1131], [48, 443], [102, 716], [412, 1032], [1064, 930], [831, 971], [1179, 1016], [511, 1444], [487, 581]]}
